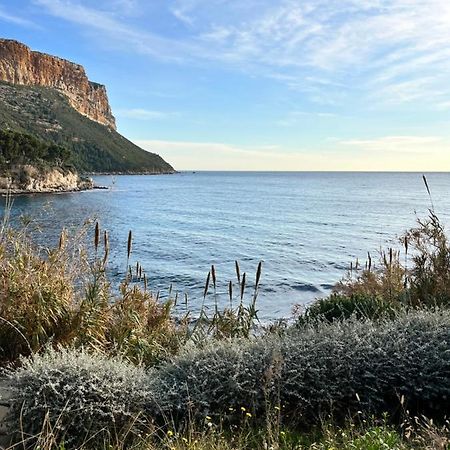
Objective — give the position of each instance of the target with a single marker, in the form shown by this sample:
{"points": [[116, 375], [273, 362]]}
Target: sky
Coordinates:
{"points": [[358, 85]]}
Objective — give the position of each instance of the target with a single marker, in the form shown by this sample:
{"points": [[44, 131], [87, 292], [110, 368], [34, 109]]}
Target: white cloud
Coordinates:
{"points": [[429, 153], [118, 32], [220, 156], [294, 118], [142, 114], [399, 144], [6, 16], [397, 49]]}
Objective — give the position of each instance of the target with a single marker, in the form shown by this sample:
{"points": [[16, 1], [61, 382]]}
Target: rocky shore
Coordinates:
{"points": [[29, 179]]}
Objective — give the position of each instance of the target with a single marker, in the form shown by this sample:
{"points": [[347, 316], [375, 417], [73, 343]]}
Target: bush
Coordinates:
{"points": [[335, 369], [430, 272], [224, 380], [340, 307], [419, 277], [81, 396], [367, 366]]}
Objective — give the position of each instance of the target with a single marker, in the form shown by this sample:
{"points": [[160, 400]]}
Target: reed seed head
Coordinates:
{"points": [[130, 240], [205, 292], [258, 275], [213, 275], [96, 235]]}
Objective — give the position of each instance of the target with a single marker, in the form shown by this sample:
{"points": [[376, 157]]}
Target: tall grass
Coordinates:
{"points": [[417, 275], [213, 382], [64, 296]]}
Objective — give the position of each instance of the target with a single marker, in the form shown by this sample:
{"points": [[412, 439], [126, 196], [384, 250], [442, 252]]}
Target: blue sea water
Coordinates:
{"points": [[305, 227]]}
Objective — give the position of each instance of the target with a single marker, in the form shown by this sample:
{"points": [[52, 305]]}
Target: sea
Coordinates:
{"points": [[306, 228]]}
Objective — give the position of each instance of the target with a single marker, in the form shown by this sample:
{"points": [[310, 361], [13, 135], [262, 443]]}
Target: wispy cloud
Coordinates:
{"points": [[397, 49], [143, 114], [430, 153], [423, 145], [120, 34], [294, 118], [6, 16], [187, 155]]}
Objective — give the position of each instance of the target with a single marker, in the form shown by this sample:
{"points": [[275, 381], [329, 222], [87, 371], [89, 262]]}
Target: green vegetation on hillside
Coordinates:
{"points": [[18, 149], [46, 114]]}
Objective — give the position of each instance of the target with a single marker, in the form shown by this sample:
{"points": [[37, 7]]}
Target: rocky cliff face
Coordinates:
{"points": [[29, 179], [20, 65]]}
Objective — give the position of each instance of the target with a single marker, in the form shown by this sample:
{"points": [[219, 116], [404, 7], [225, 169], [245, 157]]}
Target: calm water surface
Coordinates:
{"points": [[306, 227]]}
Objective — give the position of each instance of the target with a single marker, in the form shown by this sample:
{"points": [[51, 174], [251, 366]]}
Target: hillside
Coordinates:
{"points": [[28, 165], [53, 99], [47, 114]]}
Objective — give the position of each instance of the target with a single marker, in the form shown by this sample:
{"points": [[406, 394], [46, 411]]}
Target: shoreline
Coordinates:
{"points": [[127, 173], [17, 192]]}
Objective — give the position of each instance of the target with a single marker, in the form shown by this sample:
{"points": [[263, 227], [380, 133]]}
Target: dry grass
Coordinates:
{"points": [[62, 296], [416, 434]]}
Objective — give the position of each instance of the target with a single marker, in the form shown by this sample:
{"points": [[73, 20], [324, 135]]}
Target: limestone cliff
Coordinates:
{"points": [[30, 179], [20, 65]]}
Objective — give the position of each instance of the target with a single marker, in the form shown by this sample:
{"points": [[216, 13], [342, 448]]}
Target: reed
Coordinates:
{"points": [[96, 236], [62, 297]]}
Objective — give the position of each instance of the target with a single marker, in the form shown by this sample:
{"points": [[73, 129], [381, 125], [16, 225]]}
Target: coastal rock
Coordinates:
{"points": [[20, 65], [29, 179]]}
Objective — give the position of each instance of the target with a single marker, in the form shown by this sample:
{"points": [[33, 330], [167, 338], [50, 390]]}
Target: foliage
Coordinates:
{"points": [[429, 275], [226, 379], [418, 278], [316, 371], [386, 281], [81, 396], [341, 307], [19, 149], [36, 296], [47, 115], [142, 329], [62, 296], [389, 365]]}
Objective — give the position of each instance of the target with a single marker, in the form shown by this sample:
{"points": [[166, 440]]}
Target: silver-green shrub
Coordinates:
{"points": [[336, 369], [81, 397], [223, 378]]}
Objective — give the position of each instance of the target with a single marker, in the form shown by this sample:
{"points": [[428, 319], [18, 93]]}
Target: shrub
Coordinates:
{"points": [[340, 307], [430, 271], [226, 379], [366, 366], [142, 329], [81, 396], [386, 280], [418, 277], [313, 372]]}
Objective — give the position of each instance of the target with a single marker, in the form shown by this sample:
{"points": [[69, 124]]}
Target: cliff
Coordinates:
{"points": [[21, 66], [52, 100], [30, 179], [46, 114]]}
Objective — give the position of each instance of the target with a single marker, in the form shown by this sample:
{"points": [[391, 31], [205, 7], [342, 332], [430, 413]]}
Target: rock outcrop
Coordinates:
{"points": [[20, 65], [29, 179]]}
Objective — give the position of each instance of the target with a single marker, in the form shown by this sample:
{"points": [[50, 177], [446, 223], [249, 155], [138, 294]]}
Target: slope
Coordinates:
{"points": [[46, 113]]}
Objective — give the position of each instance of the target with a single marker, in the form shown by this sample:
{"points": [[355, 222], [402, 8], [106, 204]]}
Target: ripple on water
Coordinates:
{"points": [[306, 227]]}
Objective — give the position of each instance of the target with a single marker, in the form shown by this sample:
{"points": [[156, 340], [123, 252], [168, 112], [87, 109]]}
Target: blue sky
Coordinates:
{"points": [[262, 84]]}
